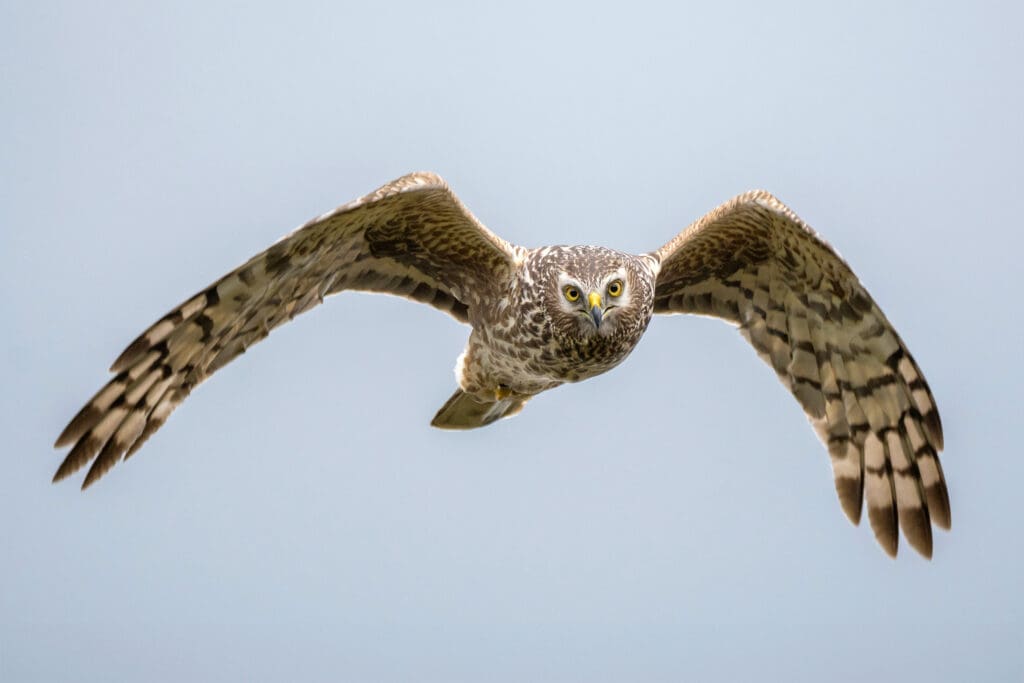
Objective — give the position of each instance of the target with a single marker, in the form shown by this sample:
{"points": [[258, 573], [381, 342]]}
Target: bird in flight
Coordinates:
{"points": [[543, 317]]}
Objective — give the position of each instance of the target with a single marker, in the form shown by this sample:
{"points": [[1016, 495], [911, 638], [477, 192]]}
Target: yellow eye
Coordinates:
{"points": [[615, 288], [571, 293]]}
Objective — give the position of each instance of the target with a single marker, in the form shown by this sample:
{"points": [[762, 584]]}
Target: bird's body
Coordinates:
{"points": [[517, 349], [543, 317]]}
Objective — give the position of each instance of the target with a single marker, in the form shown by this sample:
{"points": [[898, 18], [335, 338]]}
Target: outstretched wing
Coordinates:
{"points": [[412, 238], [753, 262]]}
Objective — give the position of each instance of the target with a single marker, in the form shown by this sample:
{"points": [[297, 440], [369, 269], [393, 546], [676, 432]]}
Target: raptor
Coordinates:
{"points": [[543, 317]]}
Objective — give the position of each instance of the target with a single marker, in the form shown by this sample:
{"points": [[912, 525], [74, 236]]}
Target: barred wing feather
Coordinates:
{"points": [[410, 238], [753, 262]]}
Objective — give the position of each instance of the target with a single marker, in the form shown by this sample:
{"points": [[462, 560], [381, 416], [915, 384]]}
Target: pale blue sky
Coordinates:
{"points": [[297, 518]]}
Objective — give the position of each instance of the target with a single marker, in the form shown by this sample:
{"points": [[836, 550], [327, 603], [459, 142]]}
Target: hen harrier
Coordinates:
{"points": [[543, 317]]}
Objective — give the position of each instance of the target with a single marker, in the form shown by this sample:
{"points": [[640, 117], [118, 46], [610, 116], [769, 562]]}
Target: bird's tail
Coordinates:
{"points": [[465, 411]]}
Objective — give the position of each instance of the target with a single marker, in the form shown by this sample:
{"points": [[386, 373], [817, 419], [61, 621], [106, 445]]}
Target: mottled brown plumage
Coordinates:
{"points": [[543, 317]]}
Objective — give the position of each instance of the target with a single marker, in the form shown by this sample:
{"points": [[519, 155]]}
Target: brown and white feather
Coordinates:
{"points": [[412, 238], [753, 262]]}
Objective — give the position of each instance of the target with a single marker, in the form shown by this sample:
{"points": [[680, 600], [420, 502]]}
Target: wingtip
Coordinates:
{"points": [[919, 537], [98, 469], [64, 471], [851, 497], [885, 525], [131, 354], [79, 425]]}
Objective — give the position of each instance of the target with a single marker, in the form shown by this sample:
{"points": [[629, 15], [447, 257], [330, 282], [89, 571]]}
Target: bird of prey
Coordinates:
{"points": [[543, 317]]}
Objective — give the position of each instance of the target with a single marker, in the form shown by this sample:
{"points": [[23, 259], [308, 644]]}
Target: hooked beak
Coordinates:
{"points": [[596, 312]]}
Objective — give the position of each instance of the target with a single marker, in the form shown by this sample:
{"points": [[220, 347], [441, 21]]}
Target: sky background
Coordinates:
{"points": [[298, 519]]}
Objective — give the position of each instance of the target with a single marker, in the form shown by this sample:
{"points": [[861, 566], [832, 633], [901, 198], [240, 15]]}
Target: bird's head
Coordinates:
{"points": [[596, 292]]}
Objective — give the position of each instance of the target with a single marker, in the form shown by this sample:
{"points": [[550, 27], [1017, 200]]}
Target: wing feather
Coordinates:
{"points": [[411, 238], [753, 262]]}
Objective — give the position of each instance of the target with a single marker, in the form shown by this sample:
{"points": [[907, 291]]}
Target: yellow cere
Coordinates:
{"points": [[594, 299]]}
